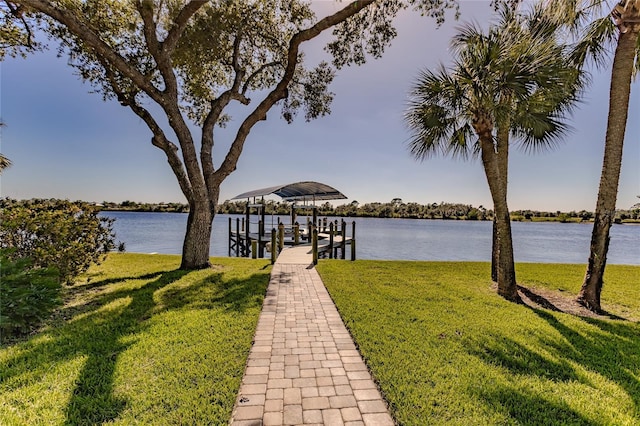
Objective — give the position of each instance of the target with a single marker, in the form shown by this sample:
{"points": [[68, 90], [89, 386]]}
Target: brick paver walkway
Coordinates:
{"points": [[304, 367]]}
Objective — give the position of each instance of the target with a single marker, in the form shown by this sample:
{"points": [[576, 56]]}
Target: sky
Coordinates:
{"points": [[66, 142]]}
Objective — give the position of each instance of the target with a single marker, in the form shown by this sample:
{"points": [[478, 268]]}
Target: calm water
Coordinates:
{"points": [[402, 239]]}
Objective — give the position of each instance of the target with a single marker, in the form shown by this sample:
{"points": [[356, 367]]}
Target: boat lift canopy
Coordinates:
{"points": [[300, 191]]}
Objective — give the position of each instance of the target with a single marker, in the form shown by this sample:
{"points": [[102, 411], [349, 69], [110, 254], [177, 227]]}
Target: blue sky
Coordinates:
{"points": [[67, 143]]}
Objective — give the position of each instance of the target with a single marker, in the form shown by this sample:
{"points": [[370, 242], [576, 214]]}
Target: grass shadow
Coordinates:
{"points": [[518, 359], [612, 350], [99, 299], [107, 324], [215, 292], [529, 409], [538, 299], [609, 348], [565, 305]]}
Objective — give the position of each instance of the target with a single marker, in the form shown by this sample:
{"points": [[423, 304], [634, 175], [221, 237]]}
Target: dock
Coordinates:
{"points": [[329, 240]]}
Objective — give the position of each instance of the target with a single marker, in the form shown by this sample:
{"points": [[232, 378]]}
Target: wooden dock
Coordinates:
{"points": [[320, 242], [296, 255]]}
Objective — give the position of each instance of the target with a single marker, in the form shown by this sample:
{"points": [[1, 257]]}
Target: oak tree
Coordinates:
{"points": [[180, 65]]}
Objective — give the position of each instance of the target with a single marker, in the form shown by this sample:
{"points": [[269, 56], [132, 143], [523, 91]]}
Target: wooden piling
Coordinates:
{"points": [[273, 246], [343, 244], [280, 237], [296, 233], [331, 240], [230, 235], [314, 245], [353, 240], [246, 224], [260, 245], [239, 247]]}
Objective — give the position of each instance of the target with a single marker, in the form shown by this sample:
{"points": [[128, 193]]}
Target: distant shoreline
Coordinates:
{"points": [[515, 217]]}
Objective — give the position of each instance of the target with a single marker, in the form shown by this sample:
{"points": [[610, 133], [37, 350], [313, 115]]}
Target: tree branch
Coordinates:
{"points": [[217, 106], [145, 9], [179, 24], [171, 150], [160, 55], [257, 72], [17, 13], [100, 48], [159, 138], [169, 103], [279, 92]]}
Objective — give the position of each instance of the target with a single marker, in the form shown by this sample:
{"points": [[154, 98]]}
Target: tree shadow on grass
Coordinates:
{"points": [[92, 400], [519, 359], [215, 292], [108, 325], [531, 409], [100, 299], [610, 349]]}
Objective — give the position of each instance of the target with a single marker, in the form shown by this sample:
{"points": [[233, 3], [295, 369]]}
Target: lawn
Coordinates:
{"points": [[446, 350], [138, 342]]}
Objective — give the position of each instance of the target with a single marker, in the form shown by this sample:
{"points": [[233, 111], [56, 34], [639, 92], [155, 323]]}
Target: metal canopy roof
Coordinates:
{"points": [[297, 191]]}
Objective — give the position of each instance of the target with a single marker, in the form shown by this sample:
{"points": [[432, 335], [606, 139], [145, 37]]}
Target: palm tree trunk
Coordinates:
{"points": [[623, 63], [507, 286], [495, 163], [495, 252]]}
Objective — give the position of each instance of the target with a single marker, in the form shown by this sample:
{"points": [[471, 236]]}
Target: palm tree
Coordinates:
{"points": [[4, 161], [514, 81], [626, 16]]}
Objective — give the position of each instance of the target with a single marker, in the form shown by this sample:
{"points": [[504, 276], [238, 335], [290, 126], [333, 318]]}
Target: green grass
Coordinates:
{"points": [[446, 350], [138, 342]]}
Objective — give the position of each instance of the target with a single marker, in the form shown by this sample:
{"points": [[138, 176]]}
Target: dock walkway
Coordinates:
{"points": [[304, 367]]}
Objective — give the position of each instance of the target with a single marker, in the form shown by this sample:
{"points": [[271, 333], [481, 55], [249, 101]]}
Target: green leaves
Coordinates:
{"points": [[17, 28], [55, 233], [27, 294], [516, 74]]}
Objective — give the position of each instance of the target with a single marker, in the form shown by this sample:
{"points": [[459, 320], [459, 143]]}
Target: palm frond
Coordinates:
{"points": [[433, 115], [596, 43], [4, 162], [541, 132], [516, 75], [460, 145], [468, 33]]}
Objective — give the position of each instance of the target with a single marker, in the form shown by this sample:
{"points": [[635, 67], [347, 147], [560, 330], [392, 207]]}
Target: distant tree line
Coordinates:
{"points": [[452, 211], [396, 208], [145, 207]]}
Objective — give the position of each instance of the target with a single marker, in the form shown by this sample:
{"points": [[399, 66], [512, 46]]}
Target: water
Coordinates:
{"points": [[402, 239]]}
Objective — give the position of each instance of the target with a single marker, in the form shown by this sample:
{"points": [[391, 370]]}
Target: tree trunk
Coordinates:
{"points": [[494, 163], [195, 250], [507, 286], [623, 63], [495, 252]]}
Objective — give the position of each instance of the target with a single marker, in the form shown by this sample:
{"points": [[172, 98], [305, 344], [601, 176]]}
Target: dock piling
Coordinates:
{"points": [[314, 245], [353, 240], [273, 246]]}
